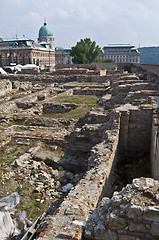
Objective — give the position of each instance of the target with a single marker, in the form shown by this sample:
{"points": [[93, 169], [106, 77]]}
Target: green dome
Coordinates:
{"points": [[45, 31]]}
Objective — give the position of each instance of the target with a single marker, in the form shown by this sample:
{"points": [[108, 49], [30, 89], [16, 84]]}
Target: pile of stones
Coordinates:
{"points": [[131, 214]]}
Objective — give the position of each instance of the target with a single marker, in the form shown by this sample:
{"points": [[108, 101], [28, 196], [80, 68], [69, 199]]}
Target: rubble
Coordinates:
{"points": [[130, 213], [72, 155]]}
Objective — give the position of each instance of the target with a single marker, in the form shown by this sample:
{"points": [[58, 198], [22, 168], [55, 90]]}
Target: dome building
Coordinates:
{"points": [[26, 51], [46, 36]]}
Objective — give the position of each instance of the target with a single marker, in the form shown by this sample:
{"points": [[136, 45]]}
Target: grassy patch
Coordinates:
{"points": [[6, 161], [84, 102], [79, 112], [82, 83], [17, 122], [2, 160], [77, 99]]}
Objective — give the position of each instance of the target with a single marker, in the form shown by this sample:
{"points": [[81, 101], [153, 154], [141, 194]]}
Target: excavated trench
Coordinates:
{"points": [[134, 147]]}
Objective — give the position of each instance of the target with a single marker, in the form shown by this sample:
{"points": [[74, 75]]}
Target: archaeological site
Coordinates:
{"points": [[79, 155]]}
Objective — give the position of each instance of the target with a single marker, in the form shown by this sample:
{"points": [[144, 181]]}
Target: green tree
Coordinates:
{"points": [[85, 51], [105, 60]]}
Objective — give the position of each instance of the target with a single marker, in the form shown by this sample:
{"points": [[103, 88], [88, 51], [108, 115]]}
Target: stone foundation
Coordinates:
{"points": [[131, 214]]}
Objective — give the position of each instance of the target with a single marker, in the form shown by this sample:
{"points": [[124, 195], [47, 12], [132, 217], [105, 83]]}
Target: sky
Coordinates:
{"points": [[106, 22]]}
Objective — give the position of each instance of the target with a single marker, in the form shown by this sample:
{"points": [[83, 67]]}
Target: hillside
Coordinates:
{"points": [[149, 55]]}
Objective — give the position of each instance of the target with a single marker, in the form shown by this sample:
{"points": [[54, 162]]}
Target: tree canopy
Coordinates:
{"points": [[85, 51]]}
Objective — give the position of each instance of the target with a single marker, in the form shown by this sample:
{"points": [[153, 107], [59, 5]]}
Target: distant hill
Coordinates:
{"points": [[149, 55]]}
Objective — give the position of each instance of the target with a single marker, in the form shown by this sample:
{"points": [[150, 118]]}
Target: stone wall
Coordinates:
{"points": [[48, 78], [89, 91], [155, 148], [5, 87], [69, 219], [139, 133], [135, 133], [131, 214], [49, 108]]}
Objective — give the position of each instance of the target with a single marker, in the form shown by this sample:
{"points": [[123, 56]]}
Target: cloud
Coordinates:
{"points": [[62, 13], [134, 21]]}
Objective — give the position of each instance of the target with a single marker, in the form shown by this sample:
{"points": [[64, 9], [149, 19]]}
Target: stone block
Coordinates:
{"points": [[126, 237], [137, 227], [151, 213], [155, 229], [135, 212], [105, 234], [115, 222]]}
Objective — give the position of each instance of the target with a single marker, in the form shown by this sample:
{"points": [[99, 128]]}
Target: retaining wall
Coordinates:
{"points": [[135, 133], [69, 219]]}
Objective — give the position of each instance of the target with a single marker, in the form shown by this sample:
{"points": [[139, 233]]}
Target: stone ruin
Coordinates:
{"points": [[92, 176]]}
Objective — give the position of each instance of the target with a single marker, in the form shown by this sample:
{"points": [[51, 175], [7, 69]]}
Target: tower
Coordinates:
{"points": [[46, 35]]}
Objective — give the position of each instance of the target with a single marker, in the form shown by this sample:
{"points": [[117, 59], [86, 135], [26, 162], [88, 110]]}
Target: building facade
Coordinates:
{"points": [[62, 56], [120, 53], [26, 51]]}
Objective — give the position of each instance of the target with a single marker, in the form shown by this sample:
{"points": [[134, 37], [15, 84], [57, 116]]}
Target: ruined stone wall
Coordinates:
{"points": [[48, 78], [68, 221], [139, 133], [49, 108], [135, 133], [131, 214], [150, 68], [5, 87], [155, 149], [88, 91]]}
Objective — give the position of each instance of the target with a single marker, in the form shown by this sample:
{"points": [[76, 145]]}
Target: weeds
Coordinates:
{"points": [[85, 103]]}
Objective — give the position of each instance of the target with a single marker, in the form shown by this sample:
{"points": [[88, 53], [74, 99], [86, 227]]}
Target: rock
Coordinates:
{"points": [[54, 174], [69, 175], [151, 213], [125, 237], [43, 177], [115, 222], [88, 235], [135, 212], [20, 161], [137, 227], [131, 212], [155, 228], [41, 97], [67, 187]]}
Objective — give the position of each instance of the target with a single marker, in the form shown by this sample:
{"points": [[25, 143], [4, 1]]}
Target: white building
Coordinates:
{"points": [[120, 53]]}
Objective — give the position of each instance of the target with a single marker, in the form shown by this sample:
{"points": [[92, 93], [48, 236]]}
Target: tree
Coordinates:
{"points": [[85, 51], [105, 60]]}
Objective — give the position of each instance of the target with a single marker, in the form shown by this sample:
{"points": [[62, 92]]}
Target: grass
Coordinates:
{"points": [[16, 122], [82, 83], [77, 99], [33, 206], [84, 102], [29, 201], [6, 161], [79, 112]]}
